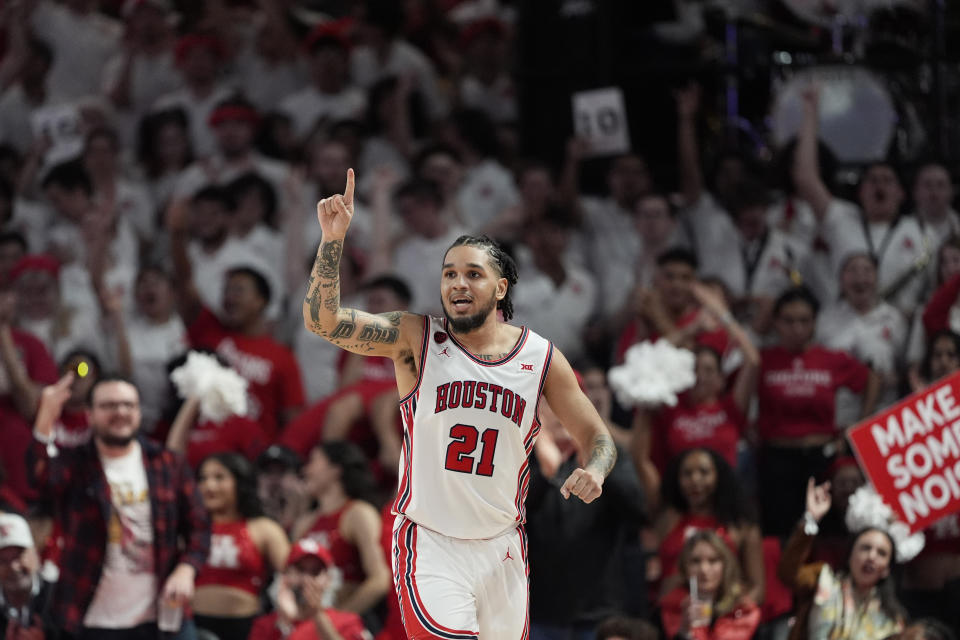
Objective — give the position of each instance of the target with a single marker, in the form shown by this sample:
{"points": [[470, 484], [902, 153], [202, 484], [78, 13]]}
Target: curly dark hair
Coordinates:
{"points": [[730, 506], [500, 259], [245, 480]]}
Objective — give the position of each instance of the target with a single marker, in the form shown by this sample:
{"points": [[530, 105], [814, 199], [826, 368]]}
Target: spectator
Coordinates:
{"points": [[240, 336], [930, 583], [559, 606], [707, 563], [31, 93], [939, 312], [833, 539], [613, 239], [246, 548], [670, 309], [395, 120], [419, 254], [346, 522], [382, 52], [280, 487], [866, 327], [13, 247], [556, 297], [24, 595], [659, 230], [268, 63], [144, 70], [824, 597], [122, 558], [72, 427], [199, 58], [797, 392], [254, 219], [933, 198], [329, 96], [486, 84], [164, 151], [25, 367], [83, 40], [706, 415], [302, 612], [895, 242], [129, 200], [700, 491]]}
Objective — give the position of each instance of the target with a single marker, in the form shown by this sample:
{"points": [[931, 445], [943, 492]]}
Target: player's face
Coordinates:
{"points": [[706, 565], [114, 413], [218, 488], [470, 288], [698, 479]]}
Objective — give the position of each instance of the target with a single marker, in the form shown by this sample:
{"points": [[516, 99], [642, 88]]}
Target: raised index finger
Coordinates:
{"points": [[348, 192]]}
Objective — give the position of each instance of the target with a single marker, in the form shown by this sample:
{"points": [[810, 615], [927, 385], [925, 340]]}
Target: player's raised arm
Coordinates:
{"points": [[581, 419], [364, 333]]}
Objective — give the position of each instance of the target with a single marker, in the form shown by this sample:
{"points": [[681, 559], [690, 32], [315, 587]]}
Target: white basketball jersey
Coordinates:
{"points": [[468, 429]]}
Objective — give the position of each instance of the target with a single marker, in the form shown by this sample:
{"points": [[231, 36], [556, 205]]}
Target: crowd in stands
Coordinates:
{"points": [[160, 164]]}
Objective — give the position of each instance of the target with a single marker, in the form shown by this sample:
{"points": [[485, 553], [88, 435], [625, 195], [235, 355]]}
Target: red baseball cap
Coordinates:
{"points": [[35, 262], [309, 548]]}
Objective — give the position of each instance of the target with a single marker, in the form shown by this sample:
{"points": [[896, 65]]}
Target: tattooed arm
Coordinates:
{"points": [[581, 420], [364, 333]]}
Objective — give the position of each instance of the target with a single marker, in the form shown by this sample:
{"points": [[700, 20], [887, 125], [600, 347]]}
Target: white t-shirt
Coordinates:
{"points": [[486, 191], [898, 247], [151, 76], [403, 59], [215, 170], [498, 101], [82, 44], [152, 346], [613, 246], [264, 82], [558, 313], [308, 105], [209, 270], [16, 127], [126, 595], [418, 261]]}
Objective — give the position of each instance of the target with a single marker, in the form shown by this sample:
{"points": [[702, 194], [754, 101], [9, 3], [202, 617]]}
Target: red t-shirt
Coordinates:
{"points": [[325, 530], [347, 625], [236, 434], [72, 429], [739, 624], [718, 339], [797, 390], [18, 432], [269, 367], [716, 426]]}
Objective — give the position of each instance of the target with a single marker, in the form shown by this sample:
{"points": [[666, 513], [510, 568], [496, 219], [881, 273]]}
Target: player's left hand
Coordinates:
{"points": [[586, 484]]}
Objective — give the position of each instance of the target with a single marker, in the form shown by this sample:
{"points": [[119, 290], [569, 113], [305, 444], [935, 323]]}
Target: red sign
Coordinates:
{"points": [[911, 453]]}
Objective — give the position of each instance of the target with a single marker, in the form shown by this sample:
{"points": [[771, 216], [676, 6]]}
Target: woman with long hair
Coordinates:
{"points": [[246, 548], [701, 492], [712, 602], [857, 602], [346, 521]]}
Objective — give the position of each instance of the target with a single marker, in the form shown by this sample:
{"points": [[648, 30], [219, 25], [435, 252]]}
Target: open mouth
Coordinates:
{"points": [[461, 303]]}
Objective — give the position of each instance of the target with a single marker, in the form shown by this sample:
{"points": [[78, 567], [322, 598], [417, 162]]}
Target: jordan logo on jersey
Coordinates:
{"points": [[481, 395], [445, 352], [508, 556]]}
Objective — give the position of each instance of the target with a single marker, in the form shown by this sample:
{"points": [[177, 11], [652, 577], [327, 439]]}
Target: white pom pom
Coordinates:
{"points": [[222, 391], [652, 374], [867, 510]]}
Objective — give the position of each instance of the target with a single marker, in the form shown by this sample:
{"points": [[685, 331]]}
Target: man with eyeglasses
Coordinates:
{"points": [[134, 529]]}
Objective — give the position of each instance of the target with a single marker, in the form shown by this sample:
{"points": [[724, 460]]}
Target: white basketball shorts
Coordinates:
{"points": [[461, 589]]}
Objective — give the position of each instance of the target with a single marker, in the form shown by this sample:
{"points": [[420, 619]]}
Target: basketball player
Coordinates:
{"points": [[469, 386]]}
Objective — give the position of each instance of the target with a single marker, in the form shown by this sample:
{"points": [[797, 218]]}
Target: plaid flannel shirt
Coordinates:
{"points": [[75, 479]]}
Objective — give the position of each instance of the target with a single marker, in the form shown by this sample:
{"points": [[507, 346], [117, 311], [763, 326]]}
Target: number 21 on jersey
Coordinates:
{"points": [[459, 452]]}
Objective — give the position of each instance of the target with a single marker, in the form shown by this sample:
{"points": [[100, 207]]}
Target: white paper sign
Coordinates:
{"points": [[62, 125], [600, 118]]}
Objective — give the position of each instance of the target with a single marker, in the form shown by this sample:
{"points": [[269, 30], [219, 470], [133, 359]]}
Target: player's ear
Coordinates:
{"points": [[502, 286]]}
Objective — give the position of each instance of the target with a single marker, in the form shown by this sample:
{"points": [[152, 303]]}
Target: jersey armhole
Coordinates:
{"points": [[423, 359], [543, 380]]}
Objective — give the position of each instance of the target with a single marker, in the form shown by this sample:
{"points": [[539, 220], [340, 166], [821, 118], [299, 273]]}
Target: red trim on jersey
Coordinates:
{"points": [[492, 363], [411, 604], [543, 380], [423, 358], [405, 490]]}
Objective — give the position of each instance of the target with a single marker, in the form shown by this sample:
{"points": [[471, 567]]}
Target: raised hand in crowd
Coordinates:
{"points": [[818, 499]]}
